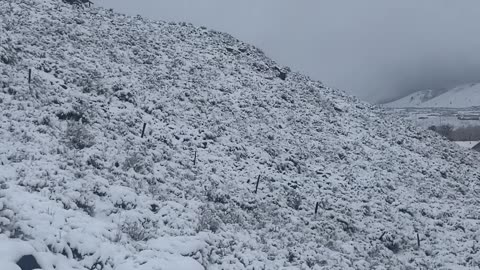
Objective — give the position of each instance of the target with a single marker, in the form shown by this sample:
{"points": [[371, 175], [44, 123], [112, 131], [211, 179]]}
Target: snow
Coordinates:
{"points": [[13, 250], [467, 144], [80, 188], [9, 266], [415, 99], [176, 245], [463, 96], [459, 97]]}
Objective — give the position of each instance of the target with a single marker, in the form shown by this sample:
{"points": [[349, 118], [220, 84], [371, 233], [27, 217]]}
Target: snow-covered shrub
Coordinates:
{"points": [[96, 161], [138, 162], [139, 230], [86, 205], [394, 242], [80, 112], [4, 216], [94, 86], [8, 55], [294, 199], [78, 137], [228, 214], [91, 82], [45, 121], [125, 96], [18, 156], [291, 257], [122, 197], [135, 230], [7, 217], [208, 219], [216, 195]]}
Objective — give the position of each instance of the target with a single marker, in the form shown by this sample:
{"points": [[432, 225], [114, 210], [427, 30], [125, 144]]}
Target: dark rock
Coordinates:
{"points": [[28, 262], [282, 73], [154, 208]]}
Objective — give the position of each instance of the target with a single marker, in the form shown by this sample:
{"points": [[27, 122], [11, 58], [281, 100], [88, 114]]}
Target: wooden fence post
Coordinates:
{"points": [[143, 130], [258, 182], [195, 158]]}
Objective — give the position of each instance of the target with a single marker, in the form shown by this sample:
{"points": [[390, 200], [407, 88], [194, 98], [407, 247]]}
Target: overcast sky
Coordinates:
{"points": [[375, 49]]}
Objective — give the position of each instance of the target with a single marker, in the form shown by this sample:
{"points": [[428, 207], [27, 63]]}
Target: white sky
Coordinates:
{"points": [[375, 49]]}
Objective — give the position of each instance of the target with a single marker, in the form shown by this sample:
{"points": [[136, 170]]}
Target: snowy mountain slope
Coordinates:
{"points": [[81, 188], [459, 97], [413, 100]]}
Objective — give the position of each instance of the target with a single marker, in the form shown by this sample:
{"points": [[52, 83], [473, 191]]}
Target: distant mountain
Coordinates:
{"points": [[459, 97], [413, 100]]}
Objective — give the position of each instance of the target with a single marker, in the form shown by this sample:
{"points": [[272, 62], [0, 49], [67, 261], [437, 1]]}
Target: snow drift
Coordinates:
{"points": [[242, 164]]}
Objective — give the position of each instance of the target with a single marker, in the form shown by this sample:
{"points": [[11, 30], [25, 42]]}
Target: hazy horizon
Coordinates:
{"points": [[377, 51]]}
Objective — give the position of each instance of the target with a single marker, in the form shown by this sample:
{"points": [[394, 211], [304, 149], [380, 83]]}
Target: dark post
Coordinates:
{"points": [[418, 240], [143, 130], [29, 76], [316, 208], [258, 182], [195, 158]]}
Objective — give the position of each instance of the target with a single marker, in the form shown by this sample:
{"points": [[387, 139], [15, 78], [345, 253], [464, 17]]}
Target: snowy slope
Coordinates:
{"points": [[81, 189], [467, 144], [413, 100], [459, 97]]}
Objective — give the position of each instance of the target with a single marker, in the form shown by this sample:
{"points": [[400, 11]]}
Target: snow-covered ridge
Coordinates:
{"points": [[413, 100], [463, 96], [81, 188]]}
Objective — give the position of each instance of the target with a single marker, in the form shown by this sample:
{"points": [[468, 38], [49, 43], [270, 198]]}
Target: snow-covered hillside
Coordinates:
{"points": [[459, 97], [240, 166], [413, 100]]}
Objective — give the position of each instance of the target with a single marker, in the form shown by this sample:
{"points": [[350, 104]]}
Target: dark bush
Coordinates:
{"points": [[78, 2], [444, 130], [471, 133]]}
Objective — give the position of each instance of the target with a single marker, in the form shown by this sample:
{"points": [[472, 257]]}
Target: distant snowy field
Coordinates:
{"points": [[467, 144], [426, 117]]}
